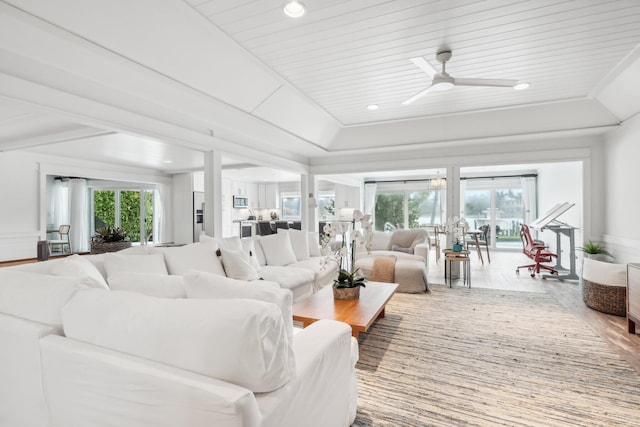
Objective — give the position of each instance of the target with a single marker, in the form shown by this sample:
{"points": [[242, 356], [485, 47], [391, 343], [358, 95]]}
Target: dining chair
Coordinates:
{"points": [[435, 231], [62, 241], [480, 239]]}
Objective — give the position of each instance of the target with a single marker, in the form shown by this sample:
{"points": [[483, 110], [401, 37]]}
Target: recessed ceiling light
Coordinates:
{"points": [[167, 161], [372, 107], [294, 9], [521, 85]]}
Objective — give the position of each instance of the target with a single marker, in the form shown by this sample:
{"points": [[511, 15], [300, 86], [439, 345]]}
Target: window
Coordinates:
{"points": [[407, 208], [290, 206], [327, 206], [122, 208], [498, 203]]}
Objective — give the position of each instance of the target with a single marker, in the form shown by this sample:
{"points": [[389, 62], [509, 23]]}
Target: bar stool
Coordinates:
{"points": [[461, 257]]}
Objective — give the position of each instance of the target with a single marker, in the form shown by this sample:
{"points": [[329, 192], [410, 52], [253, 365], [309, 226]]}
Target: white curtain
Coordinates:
{"points": [[58, 204], [370, 198], [463, 189], [79, 214], [529, 198], [161, 214]]}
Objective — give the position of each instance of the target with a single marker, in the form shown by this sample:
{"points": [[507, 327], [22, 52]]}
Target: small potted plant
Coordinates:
{"points": [[109, 239], [595, 251]]}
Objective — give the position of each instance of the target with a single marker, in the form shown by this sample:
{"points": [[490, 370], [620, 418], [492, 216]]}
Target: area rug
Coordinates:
{"points": [[481, 357]]}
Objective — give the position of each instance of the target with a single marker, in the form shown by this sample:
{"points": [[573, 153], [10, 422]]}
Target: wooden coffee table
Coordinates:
{"points": [[359, 313]]}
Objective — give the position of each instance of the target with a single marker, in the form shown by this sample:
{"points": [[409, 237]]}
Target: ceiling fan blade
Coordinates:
{"points": [[418, 95], [486, 82], [424, 65]]}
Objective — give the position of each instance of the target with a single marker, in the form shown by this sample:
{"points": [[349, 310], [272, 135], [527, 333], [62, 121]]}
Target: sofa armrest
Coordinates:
{"points": [[422, 249], [89, 385], [324, 379]]}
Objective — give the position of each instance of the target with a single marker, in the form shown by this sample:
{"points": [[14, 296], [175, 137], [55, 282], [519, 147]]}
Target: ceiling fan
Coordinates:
{"points": [[443, 81]]}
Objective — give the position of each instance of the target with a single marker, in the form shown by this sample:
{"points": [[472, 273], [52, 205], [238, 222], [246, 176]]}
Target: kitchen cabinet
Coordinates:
{"points": [[633, 296], [267, 196], [239, 188], [252, 195]]}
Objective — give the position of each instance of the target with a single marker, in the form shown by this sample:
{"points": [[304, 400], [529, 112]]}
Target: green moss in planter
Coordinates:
{"points": [[109, 239]]}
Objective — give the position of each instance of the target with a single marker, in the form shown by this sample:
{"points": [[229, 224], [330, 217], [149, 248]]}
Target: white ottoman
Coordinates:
{"points": [[410, 274]]}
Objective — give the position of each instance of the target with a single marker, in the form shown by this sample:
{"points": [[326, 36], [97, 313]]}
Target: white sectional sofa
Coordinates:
{"points": [[204, 350]]}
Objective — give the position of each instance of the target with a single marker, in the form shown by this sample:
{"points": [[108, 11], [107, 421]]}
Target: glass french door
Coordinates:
{"points": [[130, 209], [498, 203]]}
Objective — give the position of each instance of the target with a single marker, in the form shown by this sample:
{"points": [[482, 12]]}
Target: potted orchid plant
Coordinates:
{"points": [[344, 237]]}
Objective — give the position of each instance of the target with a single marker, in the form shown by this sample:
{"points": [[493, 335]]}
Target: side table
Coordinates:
{"points": [[461, 257]]}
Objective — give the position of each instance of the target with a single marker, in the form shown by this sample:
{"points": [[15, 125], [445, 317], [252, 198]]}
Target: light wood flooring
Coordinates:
{"points": [[501, 274]]}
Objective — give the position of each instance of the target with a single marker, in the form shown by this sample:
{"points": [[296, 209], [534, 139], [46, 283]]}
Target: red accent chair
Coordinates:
{"points": [[537, 251]]}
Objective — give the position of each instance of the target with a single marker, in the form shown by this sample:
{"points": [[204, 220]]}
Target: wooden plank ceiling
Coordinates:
{"points": [[347, 54]]}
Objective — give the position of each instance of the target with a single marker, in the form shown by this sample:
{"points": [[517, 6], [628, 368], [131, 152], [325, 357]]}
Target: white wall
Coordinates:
{"points": [[19, 206], [23, 208], [622, 235], [558, 183]]}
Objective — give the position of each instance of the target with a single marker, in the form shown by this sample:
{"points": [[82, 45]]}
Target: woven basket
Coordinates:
{"points": [[104, 247], [609, 299]]}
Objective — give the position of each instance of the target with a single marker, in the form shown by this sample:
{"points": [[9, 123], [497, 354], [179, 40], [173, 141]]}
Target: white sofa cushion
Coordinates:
{"points": [[277, 249], [38, 297], [196, 256], [314, 245], [240, 341], [78, 266], [249, 247], [300, 281], [206, 285], [262, 260], [237, 264], [155, 285], [115, 263], [604, 273], [299, 242]]}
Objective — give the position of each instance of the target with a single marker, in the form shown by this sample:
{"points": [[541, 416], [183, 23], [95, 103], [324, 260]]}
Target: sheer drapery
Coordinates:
{"points": [[529, 198], [370, 198], [161, 223], [58, 212], [78, 217]]}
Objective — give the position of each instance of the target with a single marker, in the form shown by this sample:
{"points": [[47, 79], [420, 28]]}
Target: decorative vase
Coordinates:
{"points": [[457, 248], [346, 293]]}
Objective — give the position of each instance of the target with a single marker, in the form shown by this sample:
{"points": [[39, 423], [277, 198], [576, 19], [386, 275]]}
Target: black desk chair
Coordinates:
{"points": [[296, 225]]}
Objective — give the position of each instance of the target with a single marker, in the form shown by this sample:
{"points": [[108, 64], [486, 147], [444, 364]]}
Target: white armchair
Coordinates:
{"points": [[410, 248]]}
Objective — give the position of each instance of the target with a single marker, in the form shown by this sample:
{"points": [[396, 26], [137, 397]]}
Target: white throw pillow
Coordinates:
{"points": [[259, 252], [314, 245], [232, 243], [196, 256], [237, 265], [277, 249], [208, 239], [37, 297], [239, 341], [155, 285], [206, 285], [299, 242], [149, 264], [77, 266], [249, 247]]}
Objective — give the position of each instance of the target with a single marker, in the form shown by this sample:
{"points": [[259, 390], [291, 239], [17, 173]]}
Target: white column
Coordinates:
{"points": [[453, 209], [307, 190], [213, 193], [453, 195]]}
